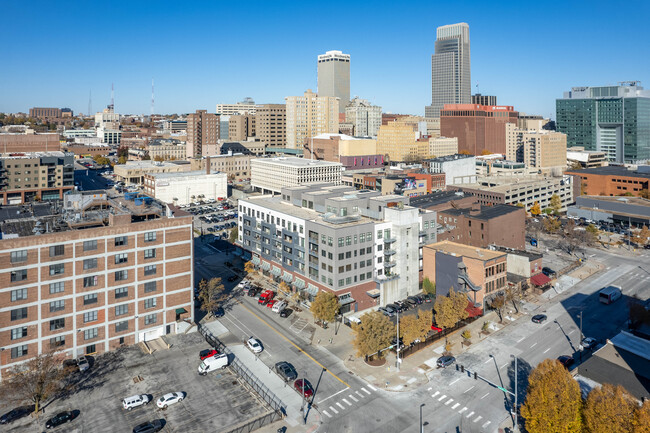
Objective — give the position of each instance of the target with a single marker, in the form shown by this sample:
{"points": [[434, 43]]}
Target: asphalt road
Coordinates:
{"points": [[89, 180]]}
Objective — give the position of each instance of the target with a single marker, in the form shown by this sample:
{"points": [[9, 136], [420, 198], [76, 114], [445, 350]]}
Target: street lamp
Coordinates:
{"points": [[397, 351], [515, 423], [421, 425]]}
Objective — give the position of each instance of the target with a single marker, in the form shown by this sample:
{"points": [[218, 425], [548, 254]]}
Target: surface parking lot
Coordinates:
{"points": [[213, 402]]}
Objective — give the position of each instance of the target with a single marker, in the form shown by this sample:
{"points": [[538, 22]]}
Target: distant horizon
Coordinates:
{"points": [[521, 54]]}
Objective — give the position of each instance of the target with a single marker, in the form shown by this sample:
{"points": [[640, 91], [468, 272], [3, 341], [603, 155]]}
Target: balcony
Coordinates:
{"points": [[389, 264], [423, 233], [389, 240], [389, 252], [385, 278]]}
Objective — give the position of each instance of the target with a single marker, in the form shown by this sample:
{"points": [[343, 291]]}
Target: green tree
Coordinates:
{"points": [[556, 203], [211, 294], [234, 234], [373, 334], [553, 402], [609, 409], [101, 160], [428, 286], [325, 306], [121, 160], [450, 309], [535, 209]]}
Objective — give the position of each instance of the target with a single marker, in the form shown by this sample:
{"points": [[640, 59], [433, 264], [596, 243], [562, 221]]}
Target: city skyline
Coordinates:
{"points": [[520, 62]]}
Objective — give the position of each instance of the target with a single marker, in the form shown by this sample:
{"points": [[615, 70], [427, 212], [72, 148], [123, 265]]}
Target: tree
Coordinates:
{"points": [[122, 160], [553, 402], [233, 236], [642, 236], [325, 306], [467, 335], [373, 334], [36, 380], [123, 151], [428, 286], [464, 152], [520, 204], [146, 157], [211, 294], [450, 309], [592, 234], [486, 152], [575, 165], [644, 193], [513, 294], [609, 409], [535, 209], [556, 203], [641, 421], [552, 225], [284, 288], [158, 158], [249, 267], [413, 329], [101, 160], [497, 303]]}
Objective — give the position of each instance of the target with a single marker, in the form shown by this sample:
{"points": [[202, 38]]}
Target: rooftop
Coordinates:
{"points": [[195, 173], [436, 198], [296, 162], [29, 155], [637, 201], [450, 158], [610, 170], [461, 250], [486, 212], [531, 256], [343, 137], [150, 164]]}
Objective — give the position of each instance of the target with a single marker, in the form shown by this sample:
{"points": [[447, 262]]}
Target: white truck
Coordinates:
{"points": [[279, 306], [213, 363]]}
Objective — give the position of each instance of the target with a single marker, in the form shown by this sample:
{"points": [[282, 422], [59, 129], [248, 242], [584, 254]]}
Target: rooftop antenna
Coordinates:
{"points": [[112, 106]]}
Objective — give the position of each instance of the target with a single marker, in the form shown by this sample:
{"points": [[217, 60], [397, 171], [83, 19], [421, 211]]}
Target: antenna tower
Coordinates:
{"points": [[90, 103], [152, 100], [112, 97]]}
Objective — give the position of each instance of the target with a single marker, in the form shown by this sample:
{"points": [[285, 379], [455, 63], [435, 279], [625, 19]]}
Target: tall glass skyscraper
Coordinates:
{"points": [[450, 69], [610, 119]]}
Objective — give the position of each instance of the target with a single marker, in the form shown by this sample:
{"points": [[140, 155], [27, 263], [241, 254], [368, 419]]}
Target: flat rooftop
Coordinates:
{"points": [[296, 162], [486, 212], [195, 173], [611, 170], [149, 164], [461, 250], [531, 256], [29, 155], [436, 198], [637, 201]]}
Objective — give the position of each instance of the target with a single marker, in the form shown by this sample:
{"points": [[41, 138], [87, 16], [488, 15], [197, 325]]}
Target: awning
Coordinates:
{"points": [[266, 266], [287, 277], [300, 284], [312, 290], [346, 301], [276, 271], [540, 279], [256, 260], [181, 310], [374, 293]]}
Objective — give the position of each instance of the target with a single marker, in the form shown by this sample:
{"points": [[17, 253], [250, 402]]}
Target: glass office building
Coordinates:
{"points": [[610, 119]]}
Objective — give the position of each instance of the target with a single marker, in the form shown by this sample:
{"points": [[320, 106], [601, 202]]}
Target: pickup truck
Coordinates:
{"points": [[266, 296]]}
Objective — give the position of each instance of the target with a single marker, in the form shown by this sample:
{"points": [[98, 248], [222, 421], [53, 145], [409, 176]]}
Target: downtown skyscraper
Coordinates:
{"points": [[450, 69], [334, 77]]}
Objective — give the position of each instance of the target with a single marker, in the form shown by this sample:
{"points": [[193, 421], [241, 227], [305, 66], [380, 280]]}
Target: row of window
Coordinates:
{"points": [[363, 237], [91, 281], [91, 245]]}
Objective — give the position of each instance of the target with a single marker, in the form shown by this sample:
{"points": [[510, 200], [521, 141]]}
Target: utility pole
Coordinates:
{"points": [[397, 351], [421, 425], [514, 427]]}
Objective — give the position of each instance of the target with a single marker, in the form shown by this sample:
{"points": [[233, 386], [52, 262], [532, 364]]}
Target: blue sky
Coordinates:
{"points": [[527, 53]]}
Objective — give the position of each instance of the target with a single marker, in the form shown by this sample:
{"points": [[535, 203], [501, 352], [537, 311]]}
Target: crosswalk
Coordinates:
{"points": [[346, 400], [464, 411]]}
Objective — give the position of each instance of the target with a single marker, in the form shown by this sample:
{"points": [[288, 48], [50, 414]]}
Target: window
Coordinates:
{"points": [[341, 240], [121, 258], [121, 241], [330, 241], [89, 334], [369, 275], [150, 253], [150, 236], [150, 318], [18, 333], [57, 250], [90, 245], [18, 256], [369, 250], [90, 349], [122, 326], [57, 324], [150, 286], [90, 299], [90, 316], [18, 275], [369, 236], [348, 240], [90, 264], [122, 292], [17, 352], [150, 303], [121, 310], [150, 270], [323, 239], [341, 282], [18, 295], [348, 280], [57, 341], [57, 269], [57, 305], [379, 232], [341, 255], [348, 254], [121, 275], [57, 287], [19, 313]]}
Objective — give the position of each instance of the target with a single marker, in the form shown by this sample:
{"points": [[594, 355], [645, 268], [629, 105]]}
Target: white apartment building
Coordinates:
{"points": [[247, 106], [443, 146], [458, 169], [310, 115], [183, 188], [365, 117], [273, 174]]}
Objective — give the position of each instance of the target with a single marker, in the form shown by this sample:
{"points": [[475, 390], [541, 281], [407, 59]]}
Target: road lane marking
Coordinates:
{"points": [[521, 339], [429, 388], [449, 402], [454, 381], [572, 331], [504, 365], [353, 398], [437, 392], [325, 399], [470, 414], [462, 410], [375, 389], [333, 410], [533, 345], [347, 402], [488, 360], [294, 345], [478, 418], [486, 424], [442, 398], [340, 405], [469, 389], [547, 350], [325, 412], [485, 395], [365, 390], [455, 406]]}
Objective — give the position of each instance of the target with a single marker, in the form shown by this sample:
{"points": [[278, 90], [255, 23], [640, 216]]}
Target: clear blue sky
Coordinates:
{"points": [[527, 53]]}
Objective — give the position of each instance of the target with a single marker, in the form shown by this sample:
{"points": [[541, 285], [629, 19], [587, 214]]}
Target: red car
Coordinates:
{"points": [[266, 296], [271, 303], [207, 353], [307, 388]]}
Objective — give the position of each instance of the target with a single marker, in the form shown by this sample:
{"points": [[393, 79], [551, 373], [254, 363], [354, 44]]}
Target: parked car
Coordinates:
{"points": [[135, 401], [393, 308], [218, 312], [286, 312], [548, 271], [149, 427], [169, 399], [539, 318], [412, 300], [589, 343], [428, 297], [445, 361], [271, 303], [207, 353], [386, 311], [304, 388], [232, 278], [83, 363], [253, 291], [60, 418], [15, 414], [254, 345], [566, 360], [286, 371]]}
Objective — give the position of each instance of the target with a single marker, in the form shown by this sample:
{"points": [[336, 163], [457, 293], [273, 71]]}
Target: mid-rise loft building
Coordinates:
{"points": [[29, 142], [443, 146], [334, 77], [237, 166], [241, 126], [403, 140], [310, 115], [538, 149], [96, 275], [354, 153], [247, 106], [613, 180], [50, 113], [164, 149], [134, 171], [359, 245], [271, 124], [273, 174], [202, 133], [26, 177], [610, 119], [364, 117]]}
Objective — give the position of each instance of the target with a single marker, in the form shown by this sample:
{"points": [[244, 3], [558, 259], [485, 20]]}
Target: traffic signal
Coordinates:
{"points": [[456, 367], [475, 376], [462, 369]]}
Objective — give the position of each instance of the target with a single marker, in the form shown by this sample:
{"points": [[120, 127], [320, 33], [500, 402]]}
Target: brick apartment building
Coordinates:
{"points": [[612, 180], [101, 273], [29, 142]]}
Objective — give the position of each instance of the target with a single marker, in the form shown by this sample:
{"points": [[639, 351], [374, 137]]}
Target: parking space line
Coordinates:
{"points": [[454, 381], [521, 339], [504, 365], [534, 344], [448, 402], [470, 414], [486, 394], [375, 389], [547, 350], [347, 402], [455, 406], [437, 392], [442, 398], [353, 398], [488, 360], [325, 412], [469, 389], [334, 410], [572, 331], [486, 424], [340, 405], [294, 345]]}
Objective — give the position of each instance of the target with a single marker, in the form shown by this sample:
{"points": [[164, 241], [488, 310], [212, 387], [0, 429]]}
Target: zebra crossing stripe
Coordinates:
{"points": [[437, 392], [340, 405], [449, 402], [325, 412], [372, 387], [478, 418], [336, 411], [353, 398], [442, 398], [365, 390], [486, 424], [455, 406], [470, 414], [347, 402]]}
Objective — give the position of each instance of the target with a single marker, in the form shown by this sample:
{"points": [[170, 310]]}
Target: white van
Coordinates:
{"points": [[213, 363], [279, 306], [135, 401]]}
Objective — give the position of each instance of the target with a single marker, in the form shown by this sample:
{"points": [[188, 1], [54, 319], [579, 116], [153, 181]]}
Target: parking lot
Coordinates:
{"points": [[213, 402], [217, 218]]}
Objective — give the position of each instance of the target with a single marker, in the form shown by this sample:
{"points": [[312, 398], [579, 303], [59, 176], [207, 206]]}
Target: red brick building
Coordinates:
{"points": [[611, 181]]}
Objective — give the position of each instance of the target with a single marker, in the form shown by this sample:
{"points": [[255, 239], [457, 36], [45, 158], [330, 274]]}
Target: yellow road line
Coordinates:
{"points": [[293, 344]]}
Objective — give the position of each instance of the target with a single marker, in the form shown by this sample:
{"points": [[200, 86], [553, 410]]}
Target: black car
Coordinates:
{"points": [[286, 371], [539, 318], [59, 418], [286, 312], [219, 312], [148, 427], [412, 300], [254, 291], [232, 278], [566, 360], [14, 414], [445, 361], [548, 271]]}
